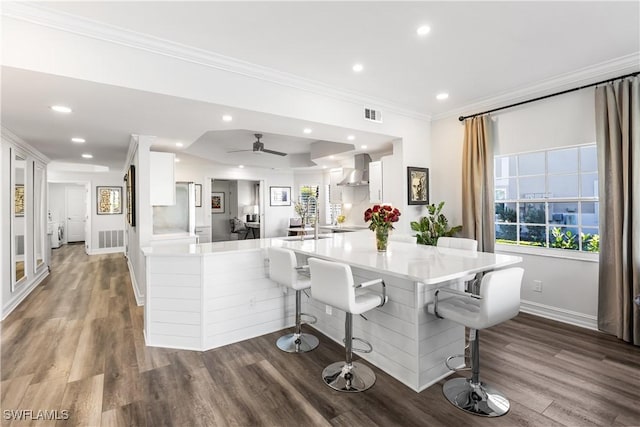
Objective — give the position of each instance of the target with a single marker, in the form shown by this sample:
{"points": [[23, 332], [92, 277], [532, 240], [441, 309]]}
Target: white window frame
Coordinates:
{"points": [[544, 199]]}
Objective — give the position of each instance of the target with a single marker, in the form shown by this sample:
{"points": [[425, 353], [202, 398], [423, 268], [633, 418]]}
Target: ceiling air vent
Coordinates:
{"points": [[372, 115]]}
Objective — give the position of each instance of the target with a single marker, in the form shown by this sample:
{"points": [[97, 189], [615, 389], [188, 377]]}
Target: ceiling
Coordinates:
{"points": [[475, 51]]}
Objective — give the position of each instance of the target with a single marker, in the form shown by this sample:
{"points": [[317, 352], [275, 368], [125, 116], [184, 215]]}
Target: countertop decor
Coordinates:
{"points": [[381, 218]]}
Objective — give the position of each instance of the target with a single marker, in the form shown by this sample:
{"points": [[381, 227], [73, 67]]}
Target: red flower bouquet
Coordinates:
{"points": [[381, 218]]}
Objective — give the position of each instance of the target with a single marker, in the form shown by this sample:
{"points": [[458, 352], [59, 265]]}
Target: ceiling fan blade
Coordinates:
{"points": [[277, 153], [238, 151]]}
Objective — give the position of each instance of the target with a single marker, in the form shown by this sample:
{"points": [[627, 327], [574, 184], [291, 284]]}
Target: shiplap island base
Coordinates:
{"points": [[200, 297]]}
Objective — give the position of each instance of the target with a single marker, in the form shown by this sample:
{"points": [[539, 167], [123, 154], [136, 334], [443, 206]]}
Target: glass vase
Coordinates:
{"points": [[382, 239]]}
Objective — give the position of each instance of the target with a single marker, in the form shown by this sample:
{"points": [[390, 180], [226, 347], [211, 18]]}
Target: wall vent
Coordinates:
{"points": [[372, 115], [110, 239]]}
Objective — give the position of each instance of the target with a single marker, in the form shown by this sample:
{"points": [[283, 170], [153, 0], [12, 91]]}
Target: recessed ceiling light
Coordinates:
{"points": [[61, 109], [423, 30], [78, 140], [87, 156], [179, 144], [332, 157], [177, 160], [442, 96], [227, 118], [324, 166], [351, 137], [358, 68], [363, 146], [241, 166], [307, 130]]}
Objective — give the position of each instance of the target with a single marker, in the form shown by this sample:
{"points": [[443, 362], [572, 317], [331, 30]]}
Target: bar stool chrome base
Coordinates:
{"points": [[297, 343], [477, 399], [352, 378]]}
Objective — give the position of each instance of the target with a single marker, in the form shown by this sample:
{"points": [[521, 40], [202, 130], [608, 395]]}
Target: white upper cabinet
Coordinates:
{"points": [[375, 182], [162, 179], [335, 192]]}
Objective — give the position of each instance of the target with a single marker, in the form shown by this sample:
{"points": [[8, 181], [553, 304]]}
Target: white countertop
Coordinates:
{"points": [[427, 264]]}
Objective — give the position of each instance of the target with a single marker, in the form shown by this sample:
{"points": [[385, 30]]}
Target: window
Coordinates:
{"points": [[548, 199], [334, 209], [305, 193]]}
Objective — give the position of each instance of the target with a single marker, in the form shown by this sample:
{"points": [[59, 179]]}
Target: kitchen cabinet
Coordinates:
{"points": [[375, 182], [335, 191], [162, 179]]}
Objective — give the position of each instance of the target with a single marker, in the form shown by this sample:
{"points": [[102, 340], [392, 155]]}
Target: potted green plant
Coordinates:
{"points": [[433, 225]]}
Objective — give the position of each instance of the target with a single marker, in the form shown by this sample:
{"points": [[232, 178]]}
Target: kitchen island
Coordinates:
{"points": [[204, 296]]}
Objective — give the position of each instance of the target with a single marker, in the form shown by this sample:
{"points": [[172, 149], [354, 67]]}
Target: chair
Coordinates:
{"points": [[465, 282], [332, 283], [283, 270], [498, 301]]}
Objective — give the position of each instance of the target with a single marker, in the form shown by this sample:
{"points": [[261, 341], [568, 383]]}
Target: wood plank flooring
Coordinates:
{"points": [[76, 344]]}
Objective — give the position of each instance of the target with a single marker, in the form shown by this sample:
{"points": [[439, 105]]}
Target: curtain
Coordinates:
{"points": [[477, 183], [618, 142]]}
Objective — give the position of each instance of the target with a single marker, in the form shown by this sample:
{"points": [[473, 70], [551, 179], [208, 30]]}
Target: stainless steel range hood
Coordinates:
{"points": [[360, 174]]}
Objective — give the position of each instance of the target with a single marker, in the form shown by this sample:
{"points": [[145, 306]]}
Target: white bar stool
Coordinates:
{"points": [[332, 284], [283, 269], [498, 301]]}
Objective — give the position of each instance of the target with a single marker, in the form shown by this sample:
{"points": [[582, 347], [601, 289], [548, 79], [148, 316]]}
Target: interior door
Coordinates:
{"points": [[76, 201]]}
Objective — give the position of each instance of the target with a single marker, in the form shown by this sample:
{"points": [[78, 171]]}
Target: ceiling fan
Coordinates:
{"points": [[258, 147]]}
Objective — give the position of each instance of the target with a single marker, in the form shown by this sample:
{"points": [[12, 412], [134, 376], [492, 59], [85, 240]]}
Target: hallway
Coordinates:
{"points": [[76, 344]]}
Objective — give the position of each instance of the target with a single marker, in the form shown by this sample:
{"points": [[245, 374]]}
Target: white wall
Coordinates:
{"points": [[569, 286], [98, 222]]}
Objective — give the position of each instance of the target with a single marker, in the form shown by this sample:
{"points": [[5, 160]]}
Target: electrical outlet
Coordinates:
{"points": [[537, 286], [328, 309], [252, 302]]}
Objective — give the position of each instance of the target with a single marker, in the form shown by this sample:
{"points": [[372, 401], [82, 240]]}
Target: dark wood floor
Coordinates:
{"points": [[76, 344]]}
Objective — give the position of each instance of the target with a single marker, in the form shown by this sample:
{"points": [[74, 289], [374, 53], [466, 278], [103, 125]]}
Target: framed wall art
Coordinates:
{"points": [[19, 200], [109, 200], [418, 186], [217, 202], [280, 196], [130, 180]]}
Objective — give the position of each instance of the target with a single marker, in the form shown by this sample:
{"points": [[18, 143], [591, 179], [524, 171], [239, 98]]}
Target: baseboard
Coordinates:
{"points": [[23, 293], [560, 314], [105, 251], [134, 284]]}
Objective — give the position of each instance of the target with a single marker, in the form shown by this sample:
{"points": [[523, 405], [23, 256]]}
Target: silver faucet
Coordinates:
{"points": [[315, 226]]}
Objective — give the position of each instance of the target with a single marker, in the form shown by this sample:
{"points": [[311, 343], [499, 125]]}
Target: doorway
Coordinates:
{"points": [[236, 209], [76, 217], [68, 212]]}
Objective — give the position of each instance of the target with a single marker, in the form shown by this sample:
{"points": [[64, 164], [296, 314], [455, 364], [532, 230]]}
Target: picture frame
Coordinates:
{"points": [[198, 195], [217, 202], [417, 186], [280, 196], [108, 200], [19, 200], [130, 179]]}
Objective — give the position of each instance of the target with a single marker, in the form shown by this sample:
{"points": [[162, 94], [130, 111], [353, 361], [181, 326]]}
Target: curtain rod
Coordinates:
{"points": [[463, 118]]}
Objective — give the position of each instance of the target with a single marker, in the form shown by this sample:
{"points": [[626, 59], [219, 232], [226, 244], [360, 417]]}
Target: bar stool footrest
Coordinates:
{"points": [[313, 318], [457, 356]]}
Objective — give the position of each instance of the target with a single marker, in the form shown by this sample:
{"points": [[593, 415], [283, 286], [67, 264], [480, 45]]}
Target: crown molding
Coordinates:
{"points": [[604, 70], [12, 138], [47, 17]]}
